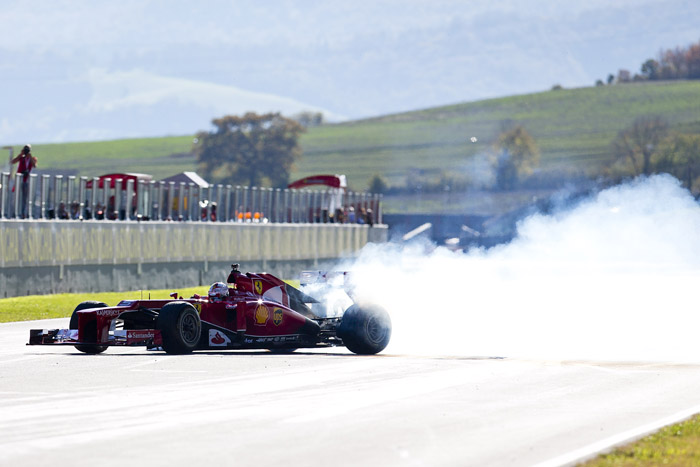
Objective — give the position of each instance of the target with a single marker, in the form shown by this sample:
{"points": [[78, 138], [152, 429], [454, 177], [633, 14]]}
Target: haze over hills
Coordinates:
{"points": [[88, 71], [573, 128]]}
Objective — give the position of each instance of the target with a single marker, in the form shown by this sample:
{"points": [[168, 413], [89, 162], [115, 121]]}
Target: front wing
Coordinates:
{"points": [[147, 337]]}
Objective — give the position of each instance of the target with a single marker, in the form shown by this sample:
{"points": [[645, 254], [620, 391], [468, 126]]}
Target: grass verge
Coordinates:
{"points": [[35, 307], [677, 445]]}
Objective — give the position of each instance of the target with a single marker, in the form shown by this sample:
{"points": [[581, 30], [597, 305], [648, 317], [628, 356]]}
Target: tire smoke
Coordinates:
{"points": [[613, 278]]}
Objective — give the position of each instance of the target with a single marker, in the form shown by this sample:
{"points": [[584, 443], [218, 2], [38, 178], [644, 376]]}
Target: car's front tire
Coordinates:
{"points": [[180, 327], [365, 330], [87, 348]]}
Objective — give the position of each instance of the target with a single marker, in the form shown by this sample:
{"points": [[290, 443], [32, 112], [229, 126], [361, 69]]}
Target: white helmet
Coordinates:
{"points": [[218, 291]]}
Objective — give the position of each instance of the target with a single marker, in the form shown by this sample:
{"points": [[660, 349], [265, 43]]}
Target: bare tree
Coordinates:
{"points": [[638, 143]]}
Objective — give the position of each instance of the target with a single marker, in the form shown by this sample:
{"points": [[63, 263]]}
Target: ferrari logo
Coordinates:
{"points": [[198, 307], [258, 287], [261, 315], [277, 316]]}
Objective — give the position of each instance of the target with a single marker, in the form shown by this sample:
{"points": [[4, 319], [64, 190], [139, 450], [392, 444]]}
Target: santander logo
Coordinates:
{"points": [[218, 338]]}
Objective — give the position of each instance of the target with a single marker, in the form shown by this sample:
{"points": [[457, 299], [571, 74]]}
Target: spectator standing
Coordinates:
{"points": [[351, 215], [25, 163]]}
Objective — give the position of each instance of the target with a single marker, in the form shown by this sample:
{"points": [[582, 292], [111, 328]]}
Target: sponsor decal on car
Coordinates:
{"points": [[109, 313], [258, 286], [277, 316], [261, 315], [218, 338], [126, 303], [271, 339], [198, 307], [139, 337], [140, 334]]}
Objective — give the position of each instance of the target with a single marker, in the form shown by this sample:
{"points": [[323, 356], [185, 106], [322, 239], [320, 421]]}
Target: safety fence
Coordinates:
{"points": [[50, 243], [48, 256], [81, 198]]}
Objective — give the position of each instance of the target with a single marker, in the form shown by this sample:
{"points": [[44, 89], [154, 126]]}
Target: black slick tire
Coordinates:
{"points": [[180, 327], [365, 330]]}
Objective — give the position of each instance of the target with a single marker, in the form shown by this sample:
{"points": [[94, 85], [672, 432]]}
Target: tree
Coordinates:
{"points": [[308, 119], [249, 150], [680, 156], [378, 184], [638, 143], [673, 63], [650, 69], [693, 61], [624, 76], [517, 156]]}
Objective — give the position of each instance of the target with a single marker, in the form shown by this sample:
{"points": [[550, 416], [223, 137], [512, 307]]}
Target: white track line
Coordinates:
{"points": [[586, 452]]}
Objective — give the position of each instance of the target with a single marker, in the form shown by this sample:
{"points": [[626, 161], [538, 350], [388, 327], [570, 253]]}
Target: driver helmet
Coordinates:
{"points": [[218, 291]]}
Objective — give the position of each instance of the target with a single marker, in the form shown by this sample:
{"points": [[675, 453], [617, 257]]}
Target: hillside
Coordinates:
{"points": [[160, 157], [573, 128]]}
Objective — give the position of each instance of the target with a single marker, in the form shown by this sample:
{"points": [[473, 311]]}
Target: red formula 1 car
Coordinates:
{"points": [[252, 311]]}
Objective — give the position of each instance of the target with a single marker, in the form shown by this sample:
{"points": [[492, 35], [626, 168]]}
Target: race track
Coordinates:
{"points": [[321, 407]]}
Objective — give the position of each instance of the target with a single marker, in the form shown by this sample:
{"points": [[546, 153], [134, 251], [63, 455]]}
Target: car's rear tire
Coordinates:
{"points": [[365, 330], [180, 327], [87, 348]]}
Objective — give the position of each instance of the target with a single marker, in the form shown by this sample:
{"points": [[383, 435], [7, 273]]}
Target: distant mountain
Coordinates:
{"points": [[133, 69]]}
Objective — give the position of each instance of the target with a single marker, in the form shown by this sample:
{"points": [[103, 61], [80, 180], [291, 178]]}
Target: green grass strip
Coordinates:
{"points": [[34, 307], [676, 445]]}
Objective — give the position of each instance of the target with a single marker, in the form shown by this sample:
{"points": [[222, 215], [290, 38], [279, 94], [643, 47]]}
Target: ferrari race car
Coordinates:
{"points": [[252, 311]]}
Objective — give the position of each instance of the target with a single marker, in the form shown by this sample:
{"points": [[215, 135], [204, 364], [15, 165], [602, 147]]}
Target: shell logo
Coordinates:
{"points": [[261, 314]]}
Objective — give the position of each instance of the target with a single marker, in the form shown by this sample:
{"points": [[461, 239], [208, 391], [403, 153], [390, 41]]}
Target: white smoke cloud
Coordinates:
{"points": [[612, 279]]}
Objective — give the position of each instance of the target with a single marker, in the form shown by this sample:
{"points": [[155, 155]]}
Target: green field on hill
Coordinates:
{"points": [[574, 129], [160, 157]]}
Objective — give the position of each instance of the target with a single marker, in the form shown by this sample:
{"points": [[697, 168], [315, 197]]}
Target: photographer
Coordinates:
{"points": [[26, 162]]}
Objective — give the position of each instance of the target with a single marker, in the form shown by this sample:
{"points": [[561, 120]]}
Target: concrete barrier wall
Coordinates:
{"points": [[53, 256]]}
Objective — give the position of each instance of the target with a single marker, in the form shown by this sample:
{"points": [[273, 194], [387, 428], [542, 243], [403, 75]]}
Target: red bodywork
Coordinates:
{"points": [[120, 180], [261, 311], [333, 181], [123, 177]]}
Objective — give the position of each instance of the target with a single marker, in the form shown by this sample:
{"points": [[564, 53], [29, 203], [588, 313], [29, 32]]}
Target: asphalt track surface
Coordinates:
{"points": [[130, 406]]}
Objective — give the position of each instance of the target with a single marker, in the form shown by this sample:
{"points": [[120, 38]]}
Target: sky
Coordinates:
{"points": [[97, 70]]}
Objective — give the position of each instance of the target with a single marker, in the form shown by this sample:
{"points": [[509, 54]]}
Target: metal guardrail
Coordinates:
{"points": [[81, 198]]}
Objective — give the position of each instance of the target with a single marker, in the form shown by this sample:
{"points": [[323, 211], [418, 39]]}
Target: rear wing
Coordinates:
{"points": [[333, 278]]}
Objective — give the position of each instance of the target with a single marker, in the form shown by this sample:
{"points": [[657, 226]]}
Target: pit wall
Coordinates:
{"points": [[42, 257]]}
